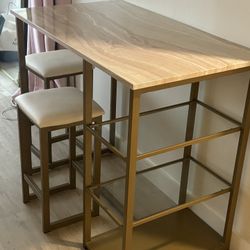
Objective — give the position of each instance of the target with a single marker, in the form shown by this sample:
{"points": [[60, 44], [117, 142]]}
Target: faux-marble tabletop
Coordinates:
{"points": [[137, 46]]}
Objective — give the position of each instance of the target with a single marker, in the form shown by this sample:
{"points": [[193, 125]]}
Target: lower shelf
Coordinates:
{"points": [[180, 231], [150, 202]]}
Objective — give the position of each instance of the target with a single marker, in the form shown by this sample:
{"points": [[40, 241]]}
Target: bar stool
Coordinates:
{"points": [[50, 66], [50, 110]]}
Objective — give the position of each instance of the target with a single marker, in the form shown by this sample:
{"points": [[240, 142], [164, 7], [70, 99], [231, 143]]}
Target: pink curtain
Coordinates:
{"points": [[37, 43]]}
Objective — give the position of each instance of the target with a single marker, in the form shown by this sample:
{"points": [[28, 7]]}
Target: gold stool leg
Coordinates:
{"points": [[25, 151], [50, 149], [44, 143], [47, 86], [72, 156]]}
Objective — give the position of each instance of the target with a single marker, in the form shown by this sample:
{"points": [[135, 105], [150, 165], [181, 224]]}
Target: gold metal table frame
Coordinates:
{"points": [[128, 224], [48, 22]]}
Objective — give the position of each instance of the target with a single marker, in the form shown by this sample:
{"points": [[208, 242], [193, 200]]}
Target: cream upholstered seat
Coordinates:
{"points": [[53, 64], [55, 107]]}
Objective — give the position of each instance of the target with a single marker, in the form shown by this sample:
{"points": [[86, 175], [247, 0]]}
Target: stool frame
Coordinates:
{"points": [[43, 194]]}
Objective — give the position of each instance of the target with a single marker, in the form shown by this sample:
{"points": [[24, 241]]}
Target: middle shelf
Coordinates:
{"points": [[164, 129]]}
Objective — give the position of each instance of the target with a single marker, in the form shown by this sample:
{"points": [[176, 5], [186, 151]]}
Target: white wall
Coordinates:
{"points": [[228, 19]]}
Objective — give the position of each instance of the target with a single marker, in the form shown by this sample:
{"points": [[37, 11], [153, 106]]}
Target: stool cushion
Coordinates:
{"points": [[55, 64], [55, 107]]}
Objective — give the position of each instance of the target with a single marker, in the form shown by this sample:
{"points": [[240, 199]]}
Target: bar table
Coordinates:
{"points": [[146, 52]]}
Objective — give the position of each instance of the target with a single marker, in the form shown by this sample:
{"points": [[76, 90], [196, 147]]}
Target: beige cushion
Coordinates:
{"points": [[55, 63], [55, 107]]}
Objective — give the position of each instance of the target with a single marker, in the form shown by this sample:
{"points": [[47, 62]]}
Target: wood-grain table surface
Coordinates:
{"points": [[136, 46]]}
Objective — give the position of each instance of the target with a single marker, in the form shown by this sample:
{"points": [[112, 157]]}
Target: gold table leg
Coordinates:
{"points": [[134, 108], [87, 149], [113, 100], [189, 136], [237, 171]]}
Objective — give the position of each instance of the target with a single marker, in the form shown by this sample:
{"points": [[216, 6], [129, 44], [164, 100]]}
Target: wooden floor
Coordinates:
{"points": [[20, 224]]}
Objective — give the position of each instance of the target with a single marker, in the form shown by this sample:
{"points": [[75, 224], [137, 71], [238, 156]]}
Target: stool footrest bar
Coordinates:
{"points": [[33, 186], [37, 191], [35, 151], [66, 221], [65, 136], [78, 166]]}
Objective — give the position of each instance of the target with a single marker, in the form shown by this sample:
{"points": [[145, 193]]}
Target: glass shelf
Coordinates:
{"points": [[166, 129], [150, 201]]}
